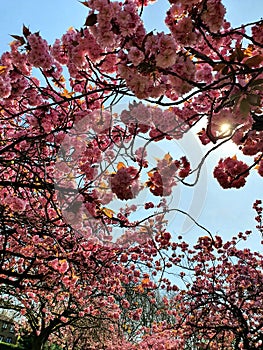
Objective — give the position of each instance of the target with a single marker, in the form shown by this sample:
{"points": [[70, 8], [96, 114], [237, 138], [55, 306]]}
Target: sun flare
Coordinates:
{"points": [[225, 128]]}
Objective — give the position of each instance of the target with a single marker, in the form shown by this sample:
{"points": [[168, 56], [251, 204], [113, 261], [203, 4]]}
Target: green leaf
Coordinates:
{"points": [[218, 67], [239, 54], [85, 3], [19, 38], [256, 82], [26, 31], [91, 20], [234, 96], [244, 107], [254, 61], [253, 99]]}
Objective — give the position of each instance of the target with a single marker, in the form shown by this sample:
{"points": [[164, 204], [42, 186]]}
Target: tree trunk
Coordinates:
{"points": [[37, 343]]}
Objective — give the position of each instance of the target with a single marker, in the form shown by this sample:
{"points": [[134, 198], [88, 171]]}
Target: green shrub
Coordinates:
{"points": [[7, 346]]}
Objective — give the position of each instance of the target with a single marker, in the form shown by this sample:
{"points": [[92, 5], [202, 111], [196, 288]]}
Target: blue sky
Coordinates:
{"points": [[225, 211], [51, 17]]}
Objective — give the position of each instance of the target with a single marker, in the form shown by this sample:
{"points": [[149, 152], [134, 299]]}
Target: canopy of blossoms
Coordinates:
{"points": [[74, 170]]}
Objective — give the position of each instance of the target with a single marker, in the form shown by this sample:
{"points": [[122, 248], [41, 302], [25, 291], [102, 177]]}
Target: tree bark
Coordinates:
{"points": [[37, 343]]}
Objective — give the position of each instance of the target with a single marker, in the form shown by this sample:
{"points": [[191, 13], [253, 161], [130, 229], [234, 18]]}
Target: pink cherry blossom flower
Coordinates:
{"points": [[213, 15], [166, 58], [15, 203], [136, 56]]}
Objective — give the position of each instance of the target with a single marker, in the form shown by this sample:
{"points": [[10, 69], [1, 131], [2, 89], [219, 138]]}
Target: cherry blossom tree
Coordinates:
{"points": [[93, 298], [219, 306], [213, 301], [68, 155]]}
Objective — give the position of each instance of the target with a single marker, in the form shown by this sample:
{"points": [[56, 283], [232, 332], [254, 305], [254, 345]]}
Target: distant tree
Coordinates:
{"points": [[220, 306]]}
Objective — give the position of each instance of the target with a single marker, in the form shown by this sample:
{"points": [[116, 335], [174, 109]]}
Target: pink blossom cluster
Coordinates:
{"points": [[203, 137], [166, 121], [253, 143], [19, 84], [159, 122], [77, 49], [213, 15], [39, 53], [15, 204], [138, 112], [11, 80], [161, 338], [101, 120], [114, 20], [137, 82], [135, 56], [155, 183], [59, 265], [250, 141], [108, 63], [125, 183], [159, 61], [182, 74], [5, 79], [90, 172], [184, 167], [163, 179], [231, 173], [257, 33], [182, 30], [5, 86], [165, 47], [204, 73], [19, 59], [182, 22]]}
